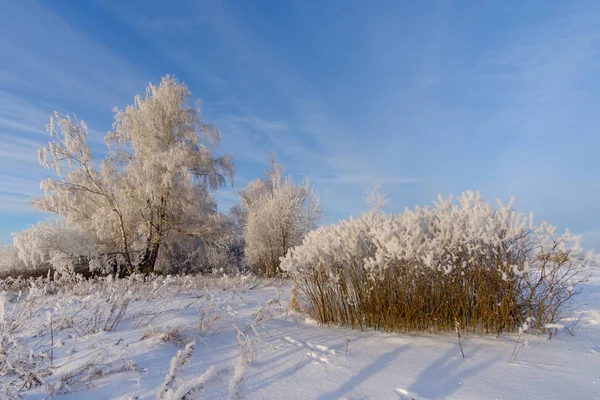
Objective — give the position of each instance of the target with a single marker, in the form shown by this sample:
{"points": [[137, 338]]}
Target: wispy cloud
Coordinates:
{"points": [[169, 23], [67, 66], [14, 185], [19, 115], [498, 98], [18, 151], [260, 124], [365, 180], [17, 205]]}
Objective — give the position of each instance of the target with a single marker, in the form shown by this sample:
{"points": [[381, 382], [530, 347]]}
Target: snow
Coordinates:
{"points": [[554, 326], [249, 346]]}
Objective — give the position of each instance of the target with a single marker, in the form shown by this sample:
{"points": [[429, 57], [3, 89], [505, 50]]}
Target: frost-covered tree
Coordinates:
{"points": [[54, 244], [10, 263], [155, 184], [277, 215]]}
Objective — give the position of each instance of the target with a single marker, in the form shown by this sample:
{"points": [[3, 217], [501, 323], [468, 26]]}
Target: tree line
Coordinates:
{"points": [[149, 205]]}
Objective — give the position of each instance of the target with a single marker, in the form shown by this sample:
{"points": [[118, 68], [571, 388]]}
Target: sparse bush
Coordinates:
{"points": [[208, 317], [487, 269], [175, 335]]}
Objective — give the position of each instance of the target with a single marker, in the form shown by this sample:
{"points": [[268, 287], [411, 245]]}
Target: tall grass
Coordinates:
{"points": [[433, 268]]}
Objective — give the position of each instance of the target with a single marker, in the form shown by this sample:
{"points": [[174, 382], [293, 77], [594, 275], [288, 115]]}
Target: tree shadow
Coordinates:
{"points": [[375, 367], [292, 355], [445, 375]]}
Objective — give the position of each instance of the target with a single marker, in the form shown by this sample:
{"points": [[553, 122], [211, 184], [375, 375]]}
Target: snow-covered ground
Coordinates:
{"points": [[253, 349]]}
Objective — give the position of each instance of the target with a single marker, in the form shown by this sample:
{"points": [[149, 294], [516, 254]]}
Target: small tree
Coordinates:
{"points": [[154, 186], [277, 215]]}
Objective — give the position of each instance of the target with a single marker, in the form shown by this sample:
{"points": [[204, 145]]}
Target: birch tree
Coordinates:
{"points": [[155, 184]]}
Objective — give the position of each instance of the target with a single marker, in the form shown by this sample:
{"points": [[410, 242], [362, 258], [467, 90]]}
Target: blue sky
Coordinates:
{"points": [[422, 97]]}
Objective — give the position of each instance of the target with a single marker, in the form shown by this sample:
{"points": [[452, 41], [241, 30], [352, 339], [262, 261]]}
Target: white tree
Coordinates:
{"points": [[154, 186], [10, 263], [54, 244], [278, 214]]}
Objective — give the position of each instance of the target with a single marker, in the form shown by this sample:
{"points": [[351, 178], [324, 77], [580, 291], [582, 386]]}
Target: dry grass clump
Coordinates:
{"points": [[486, 270]]}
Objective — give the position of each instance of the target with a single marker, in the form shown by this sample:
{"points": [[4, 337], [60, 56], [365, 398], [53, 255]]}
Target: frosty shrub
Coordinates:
{"points": [[277, 214], [488, 269], [10, 263], [191, 255], [54, 245]]}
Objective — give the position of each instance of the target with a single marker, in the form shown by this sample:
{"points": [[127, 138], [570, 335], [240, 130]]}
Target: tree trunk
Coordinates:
{"points": [[146, 264], [124, 244]]}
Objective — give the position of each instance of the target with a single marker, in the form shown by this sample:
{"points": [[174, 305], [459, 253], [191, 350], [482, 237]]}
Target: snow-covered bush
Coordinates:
{"points": [[487, 268], [54, 245], [195, 256], [10, 263], [278, 214]]}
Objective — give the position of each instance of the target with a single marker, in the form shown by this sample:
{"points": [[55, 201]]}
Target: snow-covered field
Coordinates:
{"points": [[118, 340]]}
